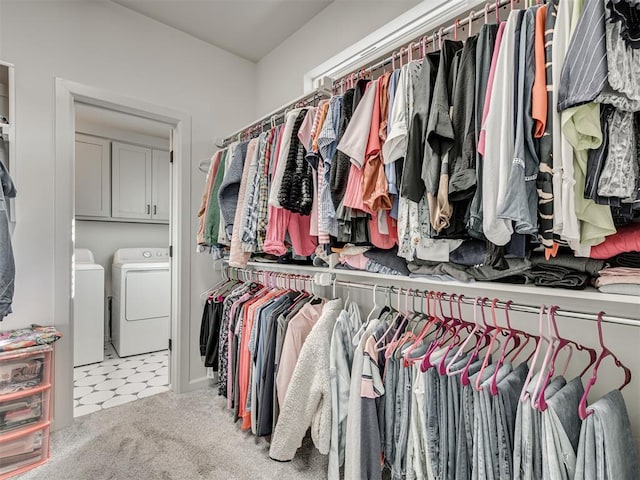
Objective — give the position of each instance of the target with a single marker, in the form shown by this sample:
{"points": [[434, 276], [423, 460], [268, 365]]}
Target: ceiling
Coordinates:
{"points": [[247, 28], [101, 117]]}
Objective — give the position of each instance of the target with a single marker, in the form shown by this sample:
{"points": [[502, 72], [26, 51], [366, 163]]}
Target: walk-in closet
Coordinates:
{"points": [[320, 239]]}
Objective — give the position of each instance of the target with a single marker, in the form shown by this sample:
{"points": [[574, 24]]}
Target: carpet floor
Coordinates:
{"points": [[169, 437]]}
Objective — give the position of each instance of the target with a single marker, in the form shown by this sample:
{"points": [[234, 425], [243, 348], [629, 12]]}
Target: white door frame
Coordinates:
{"points": [[67, 93]]}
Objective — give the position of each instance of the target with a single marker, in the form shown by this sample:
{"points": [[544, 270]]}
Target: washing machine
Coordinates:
{"points": [[141, 290], [88, 309]]}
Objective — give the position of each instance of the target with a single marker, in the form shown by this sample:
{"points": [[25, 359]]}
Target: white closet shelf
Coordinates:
{"points": [[589, 300], [287, 268]]}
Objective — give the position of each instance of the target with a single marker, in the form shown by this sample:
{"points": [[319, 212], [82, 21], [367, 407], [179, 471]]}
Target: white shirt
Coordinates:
{"points": [[500, 138], [565, 221], [356, 136], [395, 147]]}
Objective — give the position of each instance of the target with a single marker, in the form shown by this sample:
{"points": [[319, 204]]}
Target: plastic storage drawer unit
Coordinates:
{"points": [[23, 371], [25, 401], [24, 449], [24, 408]]}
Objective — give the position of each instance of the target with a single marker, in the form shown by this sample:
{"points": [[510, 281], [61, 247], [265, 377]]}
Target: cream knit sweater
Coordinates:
{"points": [[308, 399]]}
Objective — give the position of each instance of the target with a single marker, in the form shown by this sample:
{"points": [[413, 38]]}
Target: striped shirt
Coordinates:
{"points": [[585, 71]]}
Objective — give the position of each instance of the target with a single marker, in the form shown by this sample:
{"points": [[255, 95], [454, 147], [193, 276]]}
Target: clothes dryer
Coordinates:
{"points": [[141, 290]]}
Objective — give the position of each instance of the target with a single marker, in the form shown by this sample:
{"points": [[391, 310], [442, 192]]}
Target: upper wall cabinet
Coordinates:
{"points": [[93, 177], [140, 183], [160, 185], [131, 187], [117, 181]]}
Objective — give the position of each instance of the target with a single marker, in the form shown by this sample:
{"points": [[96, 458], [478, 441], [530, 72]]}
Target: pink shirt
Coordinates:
{"points": [[299, 328], [487, 97]]}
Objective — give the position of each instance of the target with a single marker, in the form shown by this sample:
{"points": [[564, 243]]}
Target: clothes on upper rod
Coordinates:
{"points": [[527, 134], [422, 396]]}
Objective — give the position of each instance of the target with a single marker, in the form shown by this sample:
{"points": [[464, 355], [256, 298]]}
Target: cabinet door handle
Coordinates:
{"points": [[155, 209], [148, 209]]}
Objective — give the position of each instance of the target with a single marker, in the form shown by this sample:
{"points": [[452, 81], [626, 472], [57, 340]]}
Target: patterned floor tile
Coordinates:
{"points": [[90, 380], [159, 381], [85, 409], [121, 373], [116, 381], [140, 377], [119, 400], [96, 397], [110, 384], [149, 367], [131, 388]]}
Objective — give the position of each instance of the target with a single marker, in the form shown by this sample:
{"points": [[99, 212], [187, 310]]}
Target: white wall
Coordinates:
{"points": [[104, 238], [104, 45], [281, 72]]}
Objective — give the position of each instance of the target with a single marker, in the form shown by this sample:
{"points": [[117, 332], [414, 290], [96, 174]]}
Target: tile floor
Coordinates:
{"points": [[116, 380]]}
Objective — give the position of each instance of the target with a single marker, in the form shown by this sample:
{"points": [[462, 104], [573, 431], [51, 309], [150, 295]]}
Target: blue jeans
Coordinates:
{"points": [[401, 427], [464, 434], [606, 450], [485, 439], [561, 432], [505, 407]]}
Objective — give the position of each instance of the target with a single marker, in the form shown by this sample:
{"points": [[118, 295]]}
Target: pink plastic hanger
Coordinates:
{"points": [[497, 331], [380, 344], [512, 335], [460, 325], [442, 329], [448, 333], [582, 408], [562, 342], [524, 394], [424, 332], [390, 347], [498, 12], [473, 334], [485, 335]]}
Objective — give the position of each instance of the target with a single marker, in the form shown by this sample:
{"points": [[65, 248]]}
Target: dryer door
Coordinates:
{"points": [[148, 294]]}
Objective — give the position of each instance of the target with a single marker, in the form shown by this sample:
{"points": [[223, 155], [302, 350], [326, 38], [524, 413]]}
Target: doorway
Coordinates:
{"points": [[121, 286], [71, 98]]}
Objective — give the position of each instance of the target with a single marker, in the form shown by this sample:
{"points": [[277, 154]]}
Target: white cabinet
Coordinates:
{"points": [[93, 177], [131, 184], [160, 185], [140, 183]]}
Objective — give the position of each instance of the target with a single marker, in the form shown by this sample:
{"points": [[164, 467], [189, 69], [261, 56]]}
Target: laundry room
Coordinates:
{"points": [[122, 286]]}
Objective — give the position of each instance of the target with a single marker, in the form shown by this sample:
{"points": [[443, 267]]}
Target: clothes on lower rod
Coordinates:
{"points": [[289, 361]]}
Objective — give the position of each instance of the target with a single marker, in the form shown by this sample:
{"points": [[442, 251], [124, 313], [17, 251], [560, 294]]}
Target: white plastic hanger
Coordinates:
{"points": [[363, 327]]}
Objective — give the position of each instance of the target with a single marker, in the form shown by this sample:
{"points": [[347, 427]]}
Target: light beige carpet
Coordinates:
{"points": [[169, 437]]}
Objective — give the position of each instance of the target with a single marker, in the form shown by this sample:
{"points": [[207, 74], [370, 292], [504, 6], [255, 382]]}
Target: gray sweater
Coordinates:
{"points": [[230, 187]]}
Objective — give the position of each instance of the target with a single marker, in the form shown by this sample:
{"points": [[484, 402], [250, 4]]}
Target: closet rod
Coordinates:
{"points": [[277, 114], [513, 306], [423, 41], [523, 308]]}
